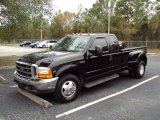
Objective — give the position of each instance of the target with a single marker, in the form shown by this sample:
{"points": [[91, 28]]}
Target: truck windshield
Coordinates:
{"points": [[71, 43]]}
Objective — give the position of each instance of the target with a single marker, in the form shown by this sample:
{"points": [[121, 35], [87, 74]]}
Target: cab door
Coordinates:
{"points": [[98, 66], [116, 52]]}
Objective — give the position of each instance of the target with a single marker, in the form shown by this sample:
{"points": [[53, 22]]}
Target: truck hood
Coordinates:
{"points": [[49, 57]]}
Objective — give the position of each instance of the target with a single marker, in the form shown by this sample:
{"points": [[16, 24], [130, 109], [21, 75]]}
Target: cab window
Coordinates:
{"points": [[100, 41], [113, 43]]}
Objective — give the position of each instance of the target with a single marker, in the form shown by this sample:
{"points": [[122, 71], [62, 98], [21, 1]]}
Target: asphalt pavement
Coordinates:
{"points": [[140, 103]]}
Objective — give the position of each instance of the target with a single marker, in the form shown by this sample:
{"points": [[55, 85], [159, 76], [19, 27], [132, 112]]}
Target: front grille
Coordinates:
{"points": [[23, 69]]}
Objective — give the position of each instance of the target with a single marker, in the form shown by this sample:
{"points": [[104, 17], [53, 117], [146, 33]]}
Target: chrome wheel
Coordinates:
{"points": [[141, 69], [68, 89]]}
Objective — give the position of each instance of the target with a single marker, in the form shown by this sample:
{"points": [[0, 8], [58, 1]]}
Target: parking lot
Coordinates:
{"points": [[124, 98], [17, 51]]}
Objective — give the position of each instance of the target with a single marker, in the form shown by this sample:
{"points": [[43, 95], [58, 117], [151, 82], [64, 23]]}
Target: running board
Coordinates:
{"points": [[99, 81]]}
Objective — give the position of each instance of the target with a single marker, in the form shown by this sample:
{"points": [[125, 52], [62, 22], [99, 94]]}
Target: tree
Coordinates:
{"points": [[96, 18], [62, 24], [16, 16], [154, 25], [137, 14]]}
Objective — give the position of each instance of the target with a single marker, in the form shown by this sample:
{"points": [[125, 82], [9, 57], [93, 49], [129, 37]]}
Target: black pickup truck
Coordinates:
{"points": [[76, 61]]}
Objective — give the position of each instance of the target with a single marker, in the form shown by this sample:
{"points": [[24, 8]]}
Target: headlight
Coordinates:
{"points": [[44, 72]]}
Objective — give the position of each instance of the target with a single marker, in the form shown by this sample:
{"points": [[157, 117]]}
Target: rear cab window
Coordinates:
{"points": [[100, 41], [113, 43]]}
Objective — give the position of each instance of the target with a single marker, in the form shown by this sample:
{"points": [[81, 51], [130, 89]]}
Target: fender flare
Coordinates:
{"points": [[71, 69], [137, 56], [142, 56]]}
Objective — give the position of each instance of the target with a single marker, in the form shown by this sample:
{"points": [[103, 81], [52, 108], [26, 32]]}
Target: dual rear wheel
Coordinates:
{"points": [[139, 71]]}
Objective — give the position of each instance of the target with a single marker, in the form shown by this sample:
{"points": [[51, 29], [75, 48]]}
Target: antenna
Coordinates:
{"points": [[109, 16]]}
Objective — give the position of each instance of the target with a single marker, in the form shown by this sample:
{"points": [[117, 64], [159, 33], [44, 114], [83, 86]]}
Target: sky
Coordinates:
{"points": [[72, 5]]}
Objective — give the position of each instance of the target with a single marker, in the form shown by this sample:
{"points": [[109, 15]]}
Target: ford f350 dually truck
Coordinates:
{"points": [[75, 61]]}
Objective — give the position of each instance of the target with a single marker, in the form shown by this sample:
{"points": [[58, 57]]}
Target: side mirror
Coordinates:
{"points": [[98, 50], [122, 44]]}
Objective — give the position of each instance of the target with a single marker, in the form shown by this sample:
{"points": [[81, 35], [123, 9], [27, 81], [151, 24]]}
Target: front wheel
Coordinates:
{"points": [[68, 88], [139, 71]]}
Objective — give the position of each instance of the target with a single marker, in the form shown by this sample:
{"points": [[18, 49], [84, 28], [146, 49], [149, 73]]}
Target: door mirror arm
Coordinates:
{"points": [[90, 52], [98, 50]]}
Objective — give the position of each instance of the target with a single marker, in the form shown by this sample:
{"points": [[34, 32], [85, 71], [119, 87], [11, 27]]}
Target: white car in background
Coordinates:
{"points": [[46, 43]]}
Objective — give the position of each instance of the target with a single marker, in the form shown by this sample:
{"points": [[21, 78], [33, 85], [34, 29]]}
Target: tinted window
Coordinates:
{"points": [[101, 42], [52, 41], [114, 45]]}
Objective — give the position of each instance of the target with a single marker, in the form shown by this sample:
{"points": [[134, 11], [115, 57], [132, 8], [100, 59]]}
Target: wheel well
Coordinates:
{"points": [[73, 72], [144, 58]]}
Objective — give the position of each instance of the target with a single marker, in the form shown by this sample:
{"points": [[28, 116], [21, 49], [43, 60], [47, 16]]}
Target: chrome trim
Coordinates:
{"points": [[23, 68], [23, 71], [30, 81], [24, 63], [44, 81], [22, 76], [34, 76], [38, 86], [68, 89], [141, 69]]}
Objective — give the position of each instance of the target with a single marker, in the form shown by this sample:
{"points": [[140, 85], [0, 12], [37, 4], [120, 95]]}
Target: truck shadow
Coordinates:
{"points": [[123, 82]]}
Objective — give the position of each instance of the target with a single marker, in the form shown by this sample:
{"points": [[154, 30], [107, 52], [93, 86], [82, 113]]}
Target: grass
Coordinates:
{"points": [[7, 60], [10, 60], [156, 51]]}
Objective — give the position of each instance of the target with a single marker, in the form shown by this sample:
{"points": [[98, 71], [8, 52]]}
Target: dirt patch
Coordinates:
{"points": [[8, 60]]}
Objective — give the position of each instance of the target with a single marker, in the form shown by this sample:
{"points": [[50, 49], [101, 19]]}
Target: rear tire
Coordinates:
{"points": [[43, 46], [139, 71], [67, 88]]}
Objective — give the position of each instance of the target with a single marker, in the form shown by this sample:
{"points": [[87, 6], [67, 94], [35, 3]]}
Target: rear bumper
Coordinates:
{"points": [[36, 86]]}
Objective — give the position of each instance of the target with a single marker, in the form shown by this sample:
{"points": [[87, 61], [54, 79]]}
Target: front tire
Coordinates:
{"points": [[68, 88]]}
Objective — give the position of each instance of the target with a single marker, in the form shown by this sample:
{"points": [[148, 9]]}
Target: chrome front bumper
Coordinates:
{"points": [[37, 86]]}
